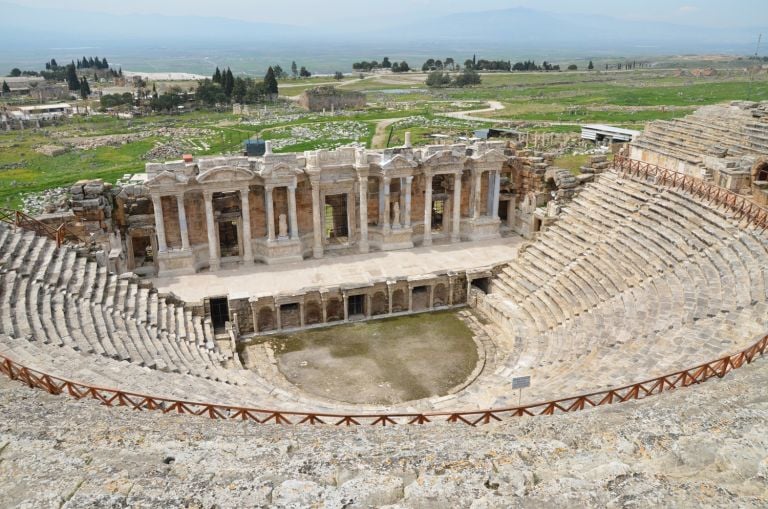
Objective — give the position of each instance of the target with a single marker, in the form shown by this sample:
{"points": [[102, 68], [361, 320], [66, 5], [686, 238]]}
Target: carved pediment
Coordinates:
{"points": [[224, 174], [398, 162], [494, 156], [167, 178], [445, 158]]}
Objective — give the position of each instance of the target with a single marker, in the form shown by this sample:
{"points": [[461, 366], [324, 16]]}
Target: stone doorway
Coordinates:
{"points": [[143, 252], [420, 298], [219, 314], [228, 239], [438, 214], [336, 219], [356, 307], [290, 316]]}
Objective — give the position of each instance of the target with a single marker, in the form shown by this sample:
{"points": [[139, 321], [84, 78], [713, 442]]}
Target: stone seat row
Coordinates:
{"points": [[64, 298], [698, 289]]}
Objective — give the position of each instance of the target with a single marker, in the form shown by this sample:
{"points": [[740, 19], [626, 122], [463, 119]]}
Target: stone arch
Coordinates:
{"points": [[760, 170], [265, 320], [440, 297], [313, 313], [379, 304], [398, 301], [334, 310]]}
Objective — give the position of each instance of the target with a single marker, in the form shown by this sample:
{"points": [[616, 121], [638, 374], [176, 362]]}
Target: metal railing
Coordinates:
{"points": [[742, 207], [116, 397]]}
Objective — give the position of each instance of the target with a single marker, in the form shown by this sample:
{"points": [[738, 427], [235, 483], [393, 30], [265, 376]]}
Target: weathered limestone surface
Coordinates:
{"points": [[704, 446], [719, 142]]}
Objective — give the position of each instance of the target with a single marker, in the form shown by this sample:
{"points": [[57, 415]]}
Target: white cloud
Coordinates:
{"points": [[685, 9]]}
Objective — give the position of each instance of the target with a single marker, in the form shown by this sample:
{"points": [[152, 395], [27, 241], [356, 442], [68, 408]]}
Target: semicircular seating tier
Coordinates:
{"points": [[633, 281]]}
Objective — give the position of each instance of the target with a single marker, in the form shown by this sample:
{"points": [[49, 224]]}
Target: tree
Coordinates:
{"points": [[6, 88], [239, 90], [217, 76], [437, 79], [448, 62], [154, 91], [401, 67], [15, 72], [338, 75], [270, 82], [168, 102], [294, 70], [227, 82], [467, 78], [72, 82], [573, 67], [428, 65], [85, 89], [210, 93], [304, 73], [386, 64], [468, 64], [279, 72], [591, 65]]}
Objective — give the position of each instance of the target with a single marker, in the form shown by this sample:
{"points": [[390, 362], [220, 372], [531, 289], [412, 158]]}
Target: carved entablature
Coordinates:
{"points": [[444, 161]]}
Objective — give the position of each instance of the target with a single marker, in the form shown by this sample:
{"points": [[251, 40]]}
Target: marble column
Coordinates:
{"points": [[157, 205], [477, 188], [363, 194], [213, 247], [270, 213], [293, 218], [496, 193], [387, 213], [427, 211], [183, 228], [317, 223], [456, 209], [407, 214], [245, 207]]}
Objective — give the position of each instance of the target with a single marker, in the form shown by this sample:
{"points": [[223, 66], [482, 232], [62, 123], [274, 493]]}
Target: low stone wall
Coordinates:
{"points": [[320, 307]]}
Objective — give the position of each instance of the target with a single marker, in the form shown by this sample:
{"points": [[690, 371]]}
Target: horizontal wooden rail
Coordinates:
{"points": [[115, 397], [742, 207]]}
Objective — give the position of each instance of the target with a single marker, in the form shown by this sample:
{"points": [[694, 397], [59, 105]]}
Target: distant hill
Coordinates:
{"points": [[146, 42]]}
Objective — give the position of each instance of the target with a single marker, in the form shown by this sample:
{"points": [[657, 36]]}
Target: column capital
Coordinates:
{"points": [[387, 179], [207, 194], [409, 179]]}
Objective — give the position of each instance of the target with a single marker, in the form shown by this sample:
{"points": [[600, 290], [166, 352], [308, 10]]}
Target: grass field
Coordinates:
{"points": [[538, 100]]}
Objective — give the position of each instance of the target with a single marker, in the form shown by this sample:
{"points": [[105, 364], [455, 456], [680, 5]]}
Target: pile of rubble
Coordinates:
{"points": [[51, 150], [333, 132], [597, 164], [165, 152], [49, 201]]}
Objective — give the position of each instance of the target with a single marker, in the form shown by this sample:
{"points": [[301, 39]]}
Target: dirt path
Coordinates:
{"points": [[379, 139]]}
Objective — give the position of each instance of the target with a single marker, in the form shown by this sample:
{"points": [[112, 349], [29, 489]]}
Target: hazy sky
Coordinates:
{"points": [[726, 13]]}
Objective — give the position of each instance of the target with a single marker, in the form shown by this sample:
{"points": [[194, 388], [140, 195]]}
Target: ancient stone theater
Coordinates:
{"points": [[603, 287]]}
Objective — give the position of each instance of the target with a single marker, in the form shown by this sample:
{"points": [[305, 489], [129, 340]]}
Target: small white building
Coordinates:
{"points": [[602, 134], [42, 111]]}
